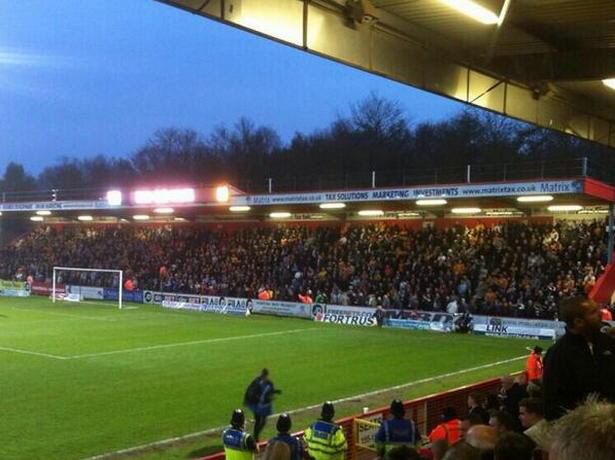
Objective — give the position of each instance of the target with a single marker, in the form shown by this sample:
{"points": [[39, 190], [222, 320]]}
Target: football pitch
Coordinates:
{"points": [[79, 380]]}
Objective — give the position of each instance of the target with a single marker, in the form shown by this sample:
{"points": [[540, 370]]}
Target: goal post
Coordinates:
{"points": [[54, 283]]}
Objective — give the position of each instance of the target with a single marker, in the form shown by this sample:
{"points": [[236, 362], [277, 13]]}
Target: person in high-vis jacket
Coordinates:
{"points": [[396, 431], [238, 443], [325, 439]]}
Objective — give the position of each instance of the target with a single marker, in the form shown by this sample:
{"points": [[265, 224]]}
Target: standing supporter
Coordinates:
{"points": [[510, 394], [534, 365], [582, 362], [606, 314], [238, 444], [396, 431], [531, 414], [259, 398], [306, 297], [325, 439], [283, 426], [476, 404], [379, 314], [449, 429], [503, 422], [483, 438]]}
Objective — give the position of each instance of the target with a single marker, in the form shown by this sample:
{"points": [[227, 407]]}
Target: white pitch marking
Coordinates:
{"points": [[165, 442], [35, 353], [67, 315], [194, 342]]}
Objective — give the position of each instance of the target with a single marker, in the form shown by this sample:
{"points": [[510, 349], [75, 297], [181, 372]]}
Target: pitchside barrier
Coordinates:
{"points": [[361, 429]]}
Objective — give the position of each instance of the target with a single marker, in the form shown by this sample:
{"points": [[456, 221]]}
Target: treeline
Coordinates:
{"points": [[374, 135]]}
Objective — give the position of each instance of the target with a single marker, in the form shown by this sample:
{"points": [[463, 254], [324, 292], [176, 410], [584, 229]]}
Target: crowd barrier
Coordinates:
{"points": [[424, 411]]}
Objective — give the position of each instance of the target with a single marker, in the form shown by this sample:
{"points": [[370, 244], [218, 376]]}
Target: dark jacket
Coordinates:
{"points": [[573, 371]]}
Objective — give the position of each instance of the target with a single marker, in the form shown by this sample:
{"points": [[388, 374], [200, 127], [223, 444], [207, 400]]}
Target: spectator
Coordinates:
{"points": [[402, 453], [582, 362], [449, 429], [513, 446], [502, 421], [462, 451], [585, 433], [483, 438], [476, 404], [511, 393], [515, 269], [531, 414], [439, 448], [468, 422]]}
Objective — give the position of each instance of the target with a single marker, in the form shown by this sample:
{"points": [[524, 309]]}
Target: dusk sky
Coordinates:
{"points": [[79, 78]]}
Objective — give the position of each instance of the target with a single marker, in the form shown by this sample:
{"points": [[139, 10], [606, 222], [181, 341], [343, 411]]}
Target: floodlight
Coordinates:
{"points": [[222, 193], [37, 218], [436, 202], [164, 210], [371, 212], [564, 207], [279, 215], [239, 208], [43, 213], [534, 198], [332, 205], [473, 10], [114, 198], [466, 210], [84, 218], [610, 82], [140, 217]]}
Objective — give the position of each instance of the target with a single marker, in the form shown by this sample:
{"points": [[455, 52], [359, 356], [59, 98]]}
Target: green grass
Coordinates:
{"points": [[136, 376]]}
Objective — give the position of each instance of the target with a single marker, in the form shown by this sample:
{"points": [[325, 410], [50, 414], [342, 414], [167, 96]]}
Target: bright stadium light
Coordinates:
{"points": [[140, 217], [408, 214], [436, 202], [610, 82], [84, 218], [332, 205], [534, 198], [43, 213], [164, 210], [564, 207], [371, 212], [239, 208], [500, 213], [114, 198], [279, 215], [590, 211], [0, 213], [37, 218], [222, 193], [164, 196], [466, 210], [473, 10]]}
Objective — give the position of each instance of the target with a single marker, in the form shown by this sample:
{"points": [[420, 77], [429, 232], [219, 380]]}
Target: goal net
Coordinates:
{"points": [[75, 284]]}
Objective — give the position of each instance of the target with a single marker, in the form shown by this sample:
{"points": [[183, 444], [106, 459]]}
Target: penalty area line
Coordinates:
{"points": [[193, 342], [198, 434], [34, 353]]}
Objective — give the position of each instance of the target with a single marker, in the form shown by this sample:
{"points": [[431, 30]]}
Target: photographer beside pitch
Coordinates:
{"points": [[259, 399]]}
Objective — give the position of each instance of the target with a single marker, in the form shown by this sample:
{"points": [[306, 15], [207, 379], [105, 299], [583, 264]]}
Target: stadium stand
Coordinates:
{"points": [[512, 269]]}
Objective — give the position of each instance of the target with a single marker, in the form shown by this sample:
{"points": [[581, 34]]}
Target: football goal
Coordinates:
{"points": [[76, 284]]}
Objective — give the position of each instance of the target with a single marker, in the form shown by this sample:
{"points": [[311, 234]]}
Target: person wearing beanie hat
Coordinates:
{"points": [[324, 438]]}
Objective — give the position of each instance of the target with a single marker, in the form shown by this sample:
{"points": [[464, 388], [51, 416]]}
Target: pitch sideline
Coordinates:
{"points": [[187, 437]]}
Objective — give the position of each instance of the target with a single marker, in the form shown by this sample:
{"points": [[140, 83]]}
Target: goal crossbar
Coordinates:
{"points": [[78, 269]]}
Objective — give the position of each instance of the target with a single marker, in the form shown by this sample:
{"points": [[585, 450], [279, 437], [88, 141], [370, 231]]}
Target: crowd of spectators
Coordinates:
{"points": [[513, 269]]}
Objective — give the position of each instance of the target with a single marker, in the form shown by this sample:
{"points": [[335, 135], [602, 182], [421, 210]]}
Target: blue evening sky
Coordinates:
{"points": [[83, 77]]}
